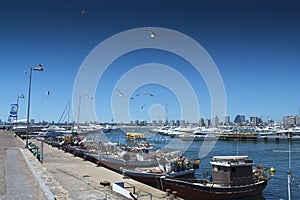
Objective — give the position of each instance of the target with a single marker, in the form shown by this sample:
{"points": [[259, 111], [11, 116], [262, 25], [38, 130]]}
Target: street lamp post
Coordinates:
{"points": [[19, 97], [40, 68]]}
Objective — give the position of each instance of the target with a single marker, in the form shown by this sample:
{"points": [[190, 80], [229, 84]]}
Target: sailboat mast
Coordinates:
{"points": [[68, 114], [78, 110], [166, 112]]}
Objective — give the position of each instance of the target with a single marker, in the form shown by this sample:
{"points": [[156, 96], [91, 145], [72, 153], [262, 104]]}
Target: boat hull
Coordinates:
{"points": [[153, 179], [188, 190], [117, 164]]}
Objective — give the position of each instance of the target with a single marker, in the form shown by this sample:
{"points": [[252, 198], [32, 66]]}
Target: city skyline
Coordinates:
{"points": [[254, 45]]}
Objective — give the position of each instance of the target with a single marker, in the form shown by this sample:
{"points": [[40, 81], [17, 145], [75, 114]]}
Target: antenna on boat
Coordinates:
{"points": [[289, 170], [237, 143]]}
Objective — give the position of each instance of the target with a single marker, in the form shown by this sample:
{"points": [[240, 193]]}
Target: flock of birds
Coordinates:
{"points": [[131, 98], [151, 33]]}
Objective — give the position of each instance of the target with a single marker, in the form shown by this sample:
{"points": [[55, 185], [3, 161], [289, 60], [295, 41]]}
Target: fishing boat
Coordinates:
{"points": [[115, 157], [181, 167], [231, 177]]}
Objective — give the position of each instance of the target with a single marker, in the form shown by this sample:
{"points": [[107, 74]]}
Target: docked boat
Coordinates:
{"points": [[164, 130], [135, 136], [114, 157], [53, 128], [231, 177], [199, 137], [182, 167], [238, 136], [111, 128], [282, 135]]}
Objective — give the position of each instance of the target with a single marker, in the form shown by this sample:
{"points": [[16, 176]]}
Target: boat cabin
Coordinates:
{"points": [[135, 136], [232, 170]]}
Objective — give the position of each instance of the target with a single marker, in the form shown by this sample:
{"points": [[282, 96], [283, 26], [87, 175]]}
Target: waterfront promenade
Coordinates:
{"points": [[60, 176], [16, 179]]}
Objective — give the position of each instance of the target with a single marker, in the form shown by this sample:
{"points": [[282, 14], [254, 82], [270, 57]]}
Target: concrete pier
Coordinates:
{"points": [[60, 176], [16, 179]]}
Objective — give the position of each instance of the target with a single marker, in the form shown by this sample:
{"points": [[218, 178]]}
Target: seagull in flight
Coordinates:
{"points": [[122, 95], [47, 93], [83, 11], [145, 93], [142, 106], [89, 97], [153, 34]]}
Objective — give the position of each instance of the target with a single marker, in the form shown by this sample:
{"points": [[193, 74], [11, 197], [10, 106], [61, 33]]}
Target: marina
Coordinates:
{"points": [[109, 100], [268, 153], [264, 149]]}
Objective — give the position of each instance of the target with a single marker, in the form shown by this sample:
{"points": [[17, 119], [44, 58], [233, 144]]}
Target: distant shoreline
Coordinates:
{"points": [[134, 126]]}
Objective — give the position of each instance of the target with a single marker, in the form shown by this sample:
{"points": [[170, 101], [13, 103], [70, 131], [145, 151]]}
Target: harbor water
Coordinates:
{"points": [[267, 154]]}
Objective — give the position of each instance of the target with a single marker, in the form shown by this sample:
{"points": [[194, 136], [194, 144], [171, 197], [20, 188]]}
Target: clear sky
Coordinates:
{"points": [[255, 46]]}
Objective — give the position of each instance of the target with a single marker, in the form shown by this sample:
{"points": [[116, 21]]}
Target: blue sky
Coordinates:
{"points": [[254, 44]]}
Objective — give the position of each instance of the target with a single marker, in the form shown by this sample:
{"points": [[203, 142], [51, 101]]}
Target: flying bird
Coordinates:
{"points": [[122, 95], [84, 11], [145, 93], [153, 34], [142, 106], [89, 97], [47, 93]]}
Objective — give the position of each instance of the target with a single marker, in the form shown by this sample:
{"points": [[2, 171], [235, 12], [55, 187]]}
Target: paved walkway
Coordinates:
{"points": [[61, 176], [16, 179]]}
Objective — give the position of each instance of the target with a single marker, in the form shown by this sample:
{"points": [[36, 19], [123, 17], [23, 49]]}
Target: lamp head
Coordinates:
{"points": [[38, 69], [22, 96]]}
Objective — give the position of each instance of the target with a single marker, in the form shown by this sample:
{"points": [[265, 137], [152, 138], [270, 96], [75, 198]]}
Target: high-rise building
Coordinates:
{"points": [[160, 123], [182, 122], [208, 122], [154, 122], [201, 122], [226, 119], [290, 121], [297, 120], [215, 121], [239, 119], [255, 121]]}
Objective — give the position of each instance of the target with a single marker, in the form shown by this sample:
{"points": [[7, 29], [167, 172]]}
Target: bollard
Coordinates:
{"points": [[174, 194], [42, 151], [168, 192]]}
